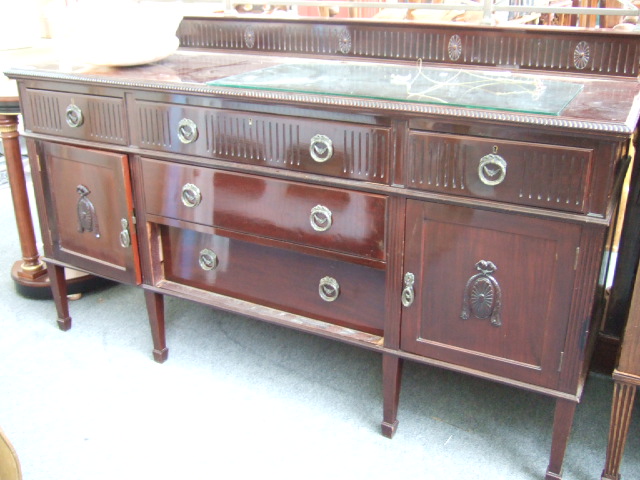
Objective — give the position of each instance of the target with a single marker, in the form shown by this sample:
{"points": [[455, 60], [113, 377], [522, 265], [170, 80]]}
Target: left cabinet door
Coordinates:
{"points": [[89, 216]]}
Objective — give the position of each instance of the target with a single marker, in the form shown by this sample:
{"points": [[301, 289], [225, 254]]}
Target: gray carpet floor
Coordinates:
{"points": [[242, 399]]}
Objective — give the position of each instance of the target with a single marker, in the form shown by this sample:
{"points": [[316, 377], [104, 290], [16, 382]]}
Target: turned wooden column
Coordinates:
{"points": [[30, 274], [30, 268]]}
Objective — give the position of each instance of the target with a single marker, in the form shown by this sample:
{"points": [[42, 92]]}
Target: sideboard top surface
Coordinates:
{"points": [[601, 101]]}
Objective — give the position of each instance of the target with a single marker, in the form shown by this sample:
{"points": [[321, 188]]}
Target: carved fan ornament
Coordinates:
{"points": [[581, 55], [344, 41], [482, 295], [455, 47], [87, 217], [249, 37]]}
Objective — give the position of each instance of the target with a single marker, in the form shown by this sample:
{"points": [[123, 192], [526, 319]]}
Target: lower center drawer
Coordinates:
{"points": [[337, 292]]}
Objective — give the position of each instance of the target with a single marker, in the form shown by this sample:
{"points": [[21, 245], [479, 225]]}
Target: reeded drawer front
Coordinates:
{"points": [[84, 117], [514, 172], [328, 218], [315, 146], [337, 292]]}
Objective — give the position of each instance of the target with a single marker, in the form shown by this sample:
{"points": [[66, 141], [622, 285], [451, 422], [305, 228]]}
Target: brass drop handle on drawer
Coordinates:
{"points": [[320, 218], [73, 115], [187, 131], [125, 236], [321, 148], [329, 289], [191, 196], [492, 168], [408, 294], [207, 259]]}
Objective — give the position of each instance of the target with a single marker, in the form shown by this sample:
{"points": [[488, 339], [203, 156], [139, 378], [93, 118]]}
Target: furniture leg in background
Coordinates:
{"points": [[627, 379], [624, 394]]}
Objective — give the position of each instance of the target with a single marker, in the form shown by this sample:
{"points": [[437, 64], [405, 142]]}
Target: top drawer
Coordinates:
{"points": [[84, 117], [339, 149], [515, 172]]}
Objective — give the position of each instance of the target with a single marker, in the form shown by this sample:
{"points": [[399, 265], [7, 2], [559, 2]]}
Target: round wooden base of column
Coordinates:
{"points": [[40, 288]]}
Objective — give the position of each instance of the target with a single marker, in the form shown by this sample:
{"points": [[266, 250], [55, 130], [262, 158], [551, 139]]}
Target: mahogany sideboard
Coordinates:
{"points": [[439, 194]]}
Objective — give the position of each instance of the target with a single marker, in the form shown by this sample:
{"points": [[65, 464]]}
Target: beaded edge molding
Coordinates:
{"points": [[393, 106]]}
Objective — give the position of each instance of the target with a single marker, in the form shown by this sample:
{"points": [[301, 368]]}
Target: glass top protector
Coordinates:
{"points": [[442, 86]]}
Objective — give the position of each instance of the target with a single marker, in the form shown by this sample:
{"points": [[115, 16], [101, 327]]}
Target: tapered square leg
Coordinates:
{"points": [[391, 379], [59, 292], [562, 422], [155, 310]]}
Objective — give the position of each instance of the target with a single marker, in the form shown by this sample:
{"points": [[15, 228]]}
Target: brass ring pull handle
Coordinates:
{"points": [[492, 169], [408, 294], [187, 131], [191, 196], [329, 289], [320, 218], [73, 115], [125, 236], [321, 148], [207, 259]]}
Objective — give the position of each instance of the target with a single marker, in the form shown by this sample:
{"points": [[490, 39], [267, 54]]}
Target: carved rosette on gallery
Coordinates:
{"points": [[581, 55], [344, 41], [455, 47], [87, 217], [482, 295], [249, 37]]}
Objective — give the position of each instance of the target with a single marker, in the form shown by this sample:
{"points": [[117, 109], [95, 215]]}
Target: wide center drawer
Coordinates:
{"points": [[547, 176], [323, 147], [329, 218], [337, 292]]}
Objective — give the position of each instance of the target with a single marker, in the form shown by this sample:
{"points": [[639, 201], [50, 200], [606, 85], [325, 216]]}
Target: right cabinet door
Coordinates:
{"points": [[488, 291]]}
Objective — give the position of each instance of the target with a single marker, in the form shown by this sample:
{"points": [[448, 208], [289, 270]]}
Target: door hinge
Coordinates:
{"points": [[561, 359], [575, 263], [585, 334]]}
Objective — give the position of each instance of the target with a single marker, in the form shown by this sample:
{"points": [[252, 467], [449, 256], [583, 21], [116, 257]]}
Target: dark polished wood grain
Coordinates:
{"points": [[269, 208], [96, 247], [519, 47], [360, 152], [529, 295], [59, 289], [562, 421], [556, 177], [155, 308], [102, 117], [277, 278], [391, 378]]}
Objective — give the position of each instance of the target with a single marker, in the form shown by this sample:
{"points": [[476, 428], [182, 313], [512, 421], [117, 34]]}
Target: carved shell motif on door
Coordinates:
{"points": [[87, 217], [482, 295]]}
